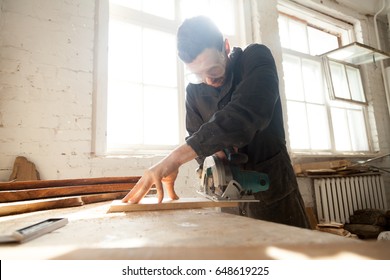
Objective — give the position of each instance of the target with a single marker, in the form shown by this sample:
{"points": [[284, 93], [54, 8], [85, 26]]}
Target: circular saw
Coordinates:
{"points": [[222, 180]]}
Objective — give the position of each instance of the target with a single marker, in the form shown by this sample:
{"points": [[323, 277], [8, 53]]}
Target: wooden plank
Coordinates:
{"points": [[20, 207], [312, 217], [150, 204], [18, 195], [21, 185]]}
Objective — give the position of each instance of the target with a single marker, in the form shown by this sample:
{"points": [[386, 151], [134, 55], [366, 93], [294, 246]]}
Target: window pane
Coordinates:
{"points": [[133, 4], [283, 32], [298, 36], [340, 129], [132, 107], [355, 84], [125, 115], [293, 78], [339, 80], [321, 42], [222, 12], [317, 118], [160, 8], [313, 81], [159, 58], [297, 125], [161, 116], [358, 130], [124, 59], [165, 9]]}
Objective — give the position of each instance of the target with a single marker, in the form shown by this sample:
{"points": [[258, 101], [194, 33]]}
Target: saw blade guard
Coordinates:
{"points": [[251, 181], [219, 178], [215, 177]]}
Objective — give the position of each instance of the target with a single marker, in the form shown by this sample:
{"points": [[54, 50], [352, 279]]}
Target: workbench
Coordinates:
{"points": [[205, 233]]}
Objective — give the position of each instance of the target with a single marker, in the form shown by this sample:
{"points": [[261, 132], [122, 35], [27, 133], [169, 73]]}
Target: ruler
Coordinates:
{"points": [[33, 231]]}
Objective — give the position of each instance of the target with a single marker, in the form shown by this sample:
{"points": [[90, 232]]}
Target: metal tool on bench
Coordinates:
{"points": [[223, 179], [33, 231]]}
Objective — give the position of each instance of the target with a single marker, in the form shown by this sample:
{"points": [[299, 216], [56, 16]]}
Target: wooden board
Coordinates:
{"points": [[35, 195], [12, 208], [24, 170], [19, 195], [23, 185], [150, 204]]}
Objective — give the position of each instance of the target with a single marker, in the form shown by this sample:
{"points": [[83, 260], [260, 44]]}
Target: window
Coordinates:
{"points": [[326, 105], [140, 85], [346, 81]]}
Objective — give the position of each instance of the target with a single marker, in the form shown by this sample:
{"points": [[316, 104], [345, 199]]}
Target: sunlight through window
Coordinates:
{"points": [[145, 94]]}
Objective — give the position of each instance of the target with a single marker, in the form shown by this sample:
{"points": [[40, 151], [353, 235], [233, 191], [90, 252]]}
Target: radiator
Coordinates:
{"points": [[338, 197]]}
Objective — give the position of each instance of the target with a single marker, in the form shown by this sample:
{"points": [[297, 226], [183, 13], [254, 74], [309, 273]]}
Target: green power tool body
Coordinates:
{"points": [[222, 180]]}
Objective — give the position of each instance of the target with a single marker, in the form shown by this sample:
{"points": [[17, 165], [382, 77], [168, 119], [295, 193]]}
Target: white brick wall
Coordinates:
{"points": [[46, 74]]}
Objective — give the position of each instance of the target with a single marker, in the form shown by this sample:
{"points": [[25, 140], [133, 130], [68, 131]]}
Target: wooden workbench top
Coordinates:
{"points": [[205, 233]]}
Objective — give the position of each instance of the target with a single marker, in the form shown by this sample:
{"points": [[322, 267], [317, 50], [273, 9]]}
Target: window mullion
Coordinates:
{"points": [[347, 77], [329, 87], [367, 125], [304, 101]]}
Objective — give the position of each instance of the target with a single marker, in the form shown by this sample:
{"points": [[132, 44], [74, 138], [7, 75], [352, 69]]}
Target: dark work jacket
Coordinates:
{"points": [[246, 113]]}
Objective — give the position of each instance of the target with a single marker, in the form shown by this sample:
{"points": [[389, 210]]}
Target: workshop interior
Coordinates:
{"points": [[92, 94]]}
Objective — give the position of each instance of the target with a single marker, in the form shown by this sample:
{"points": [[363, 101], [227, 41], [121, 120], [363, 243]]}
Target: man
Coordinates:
{"points": [[232, 103]]}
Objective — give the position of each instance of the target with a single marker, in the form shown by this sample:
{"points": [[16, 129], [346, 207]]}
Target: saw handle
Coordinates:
{"points": [[235, 157]]}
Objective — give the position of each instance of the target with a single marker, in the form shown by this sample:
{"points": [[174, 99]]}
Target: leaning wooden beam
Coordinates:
{"points": [[22, 185], [18, 195], [20, 207]]}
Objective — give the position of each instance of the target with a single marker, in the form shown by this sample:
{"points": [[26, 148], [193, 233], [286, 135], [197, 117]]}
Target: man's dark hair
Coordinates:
{"points": [[195, 35]]}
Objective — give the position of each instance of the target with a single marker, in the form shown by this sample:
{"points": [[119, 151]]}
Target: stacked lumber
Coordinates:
{"points": [[328, 168], [334, 228], [35, 195], [323, 167]]}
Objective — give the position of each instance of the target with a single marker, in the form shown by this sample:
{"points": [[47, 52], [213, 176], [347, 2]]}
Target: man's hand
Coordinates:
{"points": [[151, 177], [163, 172]]}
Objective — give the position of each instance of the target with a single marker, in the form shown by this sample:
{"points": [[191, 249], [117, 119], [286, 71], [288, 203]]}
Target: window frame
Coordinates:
{"points": [[329, 77], [100, 77], [321, 21], [144, 20]]}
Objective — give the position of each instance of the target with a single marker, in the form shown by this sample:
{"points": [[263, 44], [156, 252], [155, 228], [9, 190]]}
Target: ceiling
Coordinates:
{"points": [[370, 7]]}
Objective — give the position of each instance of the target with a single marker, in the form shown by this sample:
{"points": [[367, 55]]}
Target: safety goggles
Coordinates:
{"points": [[210, 64]]}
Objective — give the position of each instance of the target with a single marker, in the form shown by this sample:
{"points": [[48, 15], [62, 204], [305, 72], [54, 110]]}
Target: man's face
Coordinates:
{"points": [[208, 67]]}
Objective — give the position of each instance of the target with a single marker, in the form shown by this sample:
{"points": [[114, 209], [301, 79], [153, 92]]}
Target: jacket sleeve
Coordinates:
{"points": [[250, 109], [193, 120]]}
